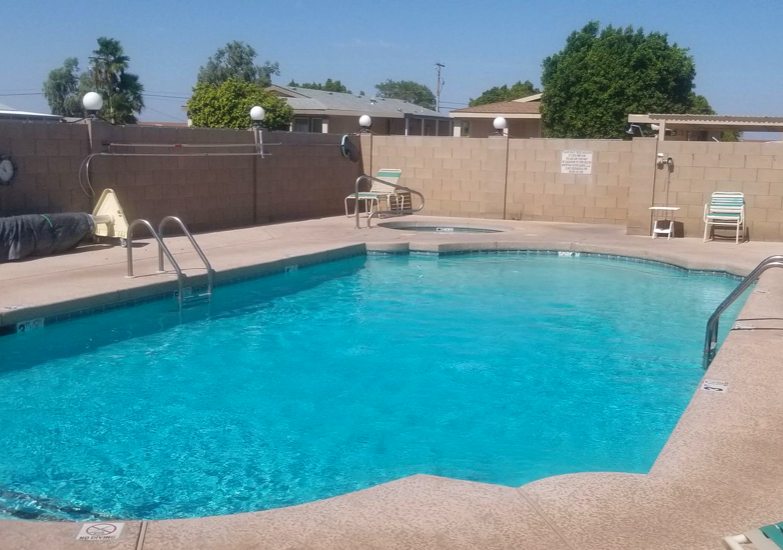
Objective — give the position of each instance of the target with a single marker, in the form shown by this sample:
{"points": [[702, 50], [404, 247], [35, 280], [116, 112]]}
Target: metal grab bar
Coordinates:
{"points": [[365, 177], [197, 248], [711, 337], [162, 245]]}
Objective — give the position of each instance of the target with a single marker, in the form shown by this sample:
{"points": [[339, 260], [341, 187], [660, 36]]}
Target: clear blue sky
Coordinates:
{"points": [[737, 45]]}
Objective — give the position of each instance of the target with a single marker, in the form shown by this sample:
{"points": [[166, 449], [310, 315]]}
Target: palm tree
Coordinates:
{"points": [[122, 92]]}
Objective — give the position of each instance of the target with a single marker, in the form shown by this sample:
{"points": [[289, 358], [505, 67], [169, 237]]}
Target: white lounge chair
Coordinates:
{"points": [[380, 192], [725, 209], [768, 537]]}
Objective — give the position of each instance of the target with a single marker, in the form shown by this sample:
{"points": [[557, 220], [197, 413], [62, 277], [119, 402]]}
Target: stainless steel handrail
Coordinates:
{"points": [[193, 242], [365, 177], [148, 225], [711, 337]]}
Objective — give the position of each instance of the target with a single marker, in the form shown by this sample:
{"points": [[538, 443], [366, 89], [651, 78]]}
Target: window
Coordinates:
{"points": [[317, 125], [301, 125]]}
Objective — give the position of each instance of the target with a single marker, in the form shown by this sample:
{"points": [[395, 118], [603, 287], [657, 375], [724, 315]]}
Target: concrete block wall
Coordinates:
{"points": [[701, 168], [47, 159], [497, 178], [208, 192], [305, 177]]}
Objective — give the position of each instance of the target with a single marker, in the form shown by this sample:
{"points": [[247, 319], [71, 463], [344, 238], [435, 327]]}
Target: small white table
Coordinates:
{"points": [[666, 225]]}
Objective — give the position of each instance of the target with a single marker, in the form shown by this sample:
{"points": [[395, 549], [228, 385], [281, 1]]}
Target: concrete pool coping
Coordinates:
{"points": [[720, 472]]}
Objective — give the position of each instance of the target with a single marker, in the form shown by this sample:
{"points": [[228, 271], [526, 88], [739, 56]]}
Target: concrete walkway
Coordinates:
{"points": [[719, 474]]}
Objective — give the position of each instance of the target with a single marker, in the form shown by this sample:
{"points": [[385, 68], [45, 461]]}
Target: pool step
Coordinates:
{"points": [[190, 298]]}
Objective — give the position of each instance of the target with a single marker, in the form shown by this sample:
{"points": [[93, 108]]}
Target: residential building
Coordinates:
{"points": [[523, 118], [325, 112]]}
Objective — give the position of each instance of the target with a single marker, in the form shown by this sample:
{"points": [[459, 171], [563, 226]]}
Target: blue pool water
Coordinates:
{"points": [[297, 387]]}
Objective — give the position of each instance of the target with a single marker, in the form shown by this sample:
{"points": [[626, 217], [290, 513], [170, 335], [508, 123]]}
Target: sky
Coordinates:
{"points": [[737, 46]]}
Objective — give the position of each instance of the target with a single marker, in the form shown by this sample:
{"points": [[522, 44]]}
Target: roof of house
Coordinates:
{"points": [[306, 101], [525, 107], [10, 112]]}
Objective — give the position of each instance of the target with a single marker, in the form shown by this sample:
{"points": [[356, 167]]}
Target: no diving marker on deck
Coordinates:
{"points": [[100, 531], [716, 386]]}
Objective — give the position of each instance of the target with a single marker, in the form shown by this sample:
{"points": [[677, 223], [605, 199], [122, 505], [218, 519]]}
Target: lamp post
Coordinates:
{"points": [[93, 102], [500, 125], [257, 114], [365, 121]]}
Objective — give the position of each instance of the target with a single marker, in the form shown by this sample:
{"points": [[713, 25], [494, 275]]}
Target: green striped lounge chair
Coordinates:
{"points": [[769, 537], [379, 192], [725, 209]]}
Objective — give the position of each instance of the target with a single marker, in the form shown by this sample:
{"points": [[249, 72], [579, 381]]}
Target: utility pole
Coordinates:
{"points": [[439, 87]]}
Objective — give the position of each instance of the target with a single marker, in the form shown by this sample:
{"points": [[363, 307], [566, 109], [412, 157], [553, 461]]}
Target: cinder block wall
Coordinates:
{"points": [[47, 158], [701, 168], [520, 179], [304, 176], [517, 178]]}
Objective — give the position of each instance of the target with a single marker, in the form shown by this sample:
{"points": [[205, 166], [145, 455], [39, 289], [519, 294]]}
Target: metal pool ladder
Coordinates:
{"points": [[711, 337], [184, 293]]}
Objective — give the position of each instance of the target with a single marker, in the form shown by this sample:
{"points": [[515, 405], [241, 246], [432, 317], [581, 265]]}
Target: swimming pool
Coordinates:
{"points": [[340, 376]]}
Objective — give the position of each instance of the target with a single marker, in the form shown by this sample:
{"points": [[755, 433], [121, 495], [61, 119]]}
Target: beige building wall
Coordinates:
{"points": [[305, 176]]}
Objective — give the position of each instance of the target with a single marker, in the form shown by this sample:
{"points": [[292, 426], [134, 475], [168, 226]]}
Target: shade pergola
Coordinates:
{"points": [[712, 123]]}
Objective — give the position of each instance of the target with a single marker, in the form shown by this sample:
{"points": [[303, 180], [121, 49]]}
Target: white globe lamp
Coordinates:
{"points": [[500, 124], [93, 102], [257, 113], [365, 121]]}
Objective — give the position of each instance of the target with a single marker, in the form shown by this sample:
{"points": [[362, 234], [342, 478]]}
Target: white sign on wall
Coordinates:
{"points": [[573, 161]]}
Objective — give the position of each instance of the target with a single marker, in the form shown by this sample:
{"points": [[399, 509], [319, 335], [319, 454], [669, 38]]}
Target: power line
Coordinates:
{"points": [[164, 114]]}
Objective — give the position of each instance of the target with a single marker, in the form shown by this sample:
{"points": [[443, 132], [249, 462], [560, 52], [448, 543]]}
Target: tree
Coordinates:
{"points": [[107, 74], [504, 93], [237, 60], [61, 89], [121, 91], [599, 78], [407, 90], [227, 105], [698, 105], [328, 86]]}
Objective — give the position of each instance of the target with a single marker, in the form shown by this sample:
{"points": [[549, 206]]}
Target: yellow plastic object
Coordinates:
{"points": [[110, 220]]}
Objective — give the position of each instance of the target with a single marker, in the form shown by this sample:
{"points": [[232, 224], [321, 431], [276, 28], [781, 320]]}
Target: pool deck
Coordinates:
{"points": [[720, 473]]}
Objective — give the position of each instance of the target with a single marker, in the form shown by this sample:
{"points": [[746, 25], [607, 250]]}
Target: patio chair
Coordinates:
{"points": [[768, 537], [725, 209], [380, 192]]}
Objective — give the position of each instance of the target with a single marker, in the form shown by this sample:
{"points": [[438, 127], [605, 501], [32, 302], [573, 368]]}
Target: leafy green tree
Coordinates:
{"points": [[328, 86], [237, 60], [407, 90], [107, 74], [601, 76], [504, 93], [61, 89], [227, 105], [121, 91], [699, 105]]}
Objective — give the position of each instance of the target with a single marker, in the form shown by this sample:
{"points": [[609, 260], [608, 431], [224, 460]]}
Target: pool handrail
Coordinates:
{"points": [[711, 336], [193, 242], [365, 177], [166, 251]]}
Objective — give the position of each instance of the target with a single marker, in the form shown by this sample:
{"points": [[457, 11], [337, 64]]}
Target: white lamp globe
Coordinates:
{"points": [[92, 101], [257, 113], [499, 123], [365, 121]]}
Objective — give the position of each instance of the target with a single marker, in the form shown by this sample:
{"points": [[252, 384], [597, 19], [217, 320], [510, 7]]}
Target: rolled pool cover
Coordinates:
{"points": [[42, 234]]}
